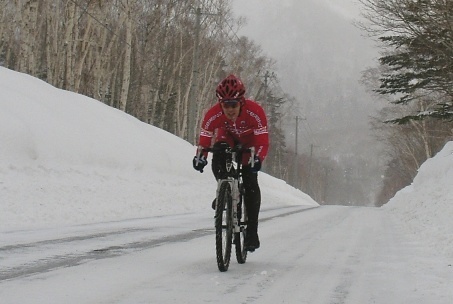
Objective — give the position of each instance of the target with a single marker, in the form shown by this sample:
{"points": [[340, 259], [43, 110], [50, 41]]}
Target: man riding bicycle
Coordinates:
{"points": [[237, 120]]}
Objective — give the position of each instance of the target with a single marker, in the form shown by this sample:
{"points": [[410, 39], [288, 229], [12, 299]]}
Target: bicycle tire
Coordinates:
{"points": [[224, 226], [239, 237]]}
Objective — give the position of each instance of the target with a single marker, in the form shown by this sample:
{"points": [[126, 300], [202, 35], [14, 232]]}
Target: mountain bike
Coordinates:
{"points": [[230, 211]]}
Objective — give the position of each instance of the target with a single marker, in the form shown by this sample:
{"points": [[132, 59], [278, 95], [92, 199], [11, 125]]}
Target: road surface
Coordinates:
{"points": [[329, 254]]}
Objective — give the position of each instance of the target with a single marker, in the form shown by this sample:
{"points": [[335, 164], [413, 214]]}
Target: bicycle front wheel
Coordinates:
{"points": [[224, 226]]}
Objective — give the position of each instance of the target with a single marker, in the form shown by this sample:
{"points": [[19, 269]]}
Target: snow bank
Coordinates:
{"points": [[425, 208], [66, 159]]}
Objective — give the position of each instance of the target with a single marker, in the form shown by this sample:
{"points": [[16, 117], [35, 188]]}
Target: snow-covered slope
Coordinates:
{"points": [[425, 208], [67, 159]]}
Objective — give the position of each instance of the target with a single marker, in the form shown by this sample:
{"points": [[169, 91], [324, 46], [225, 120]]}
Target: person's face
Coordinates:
{"points": [[231, 108]]}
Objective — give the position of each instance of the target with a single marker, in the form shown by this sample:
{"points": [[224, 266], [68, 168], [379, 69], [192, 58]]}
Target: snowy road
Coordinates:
{"points": [[329, 254]]}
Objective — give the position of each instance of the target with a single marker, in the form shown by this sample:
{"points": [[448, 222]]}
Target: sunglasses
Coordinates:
{"points": [[233, 103]]}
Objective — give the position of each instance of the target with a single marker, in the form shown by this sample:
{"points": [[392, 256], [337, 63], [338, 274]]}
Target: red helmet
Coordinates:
{"points": [[230, 88]]}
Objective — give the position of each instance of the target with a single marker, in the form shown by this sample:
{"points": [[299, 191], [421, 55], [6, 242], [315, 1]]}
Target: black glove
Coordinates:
{"points": [[256, 164], [199, 163]]}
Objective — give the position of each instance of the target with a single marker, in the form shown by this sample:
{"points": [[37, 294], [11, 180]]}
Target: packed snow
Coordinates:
{"points": [[76, 175]]}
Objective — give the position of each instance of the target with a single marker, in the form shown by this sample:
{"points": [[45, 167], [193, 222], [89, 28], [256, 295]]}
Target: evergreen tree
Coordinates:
{"points": [[419, 62]]}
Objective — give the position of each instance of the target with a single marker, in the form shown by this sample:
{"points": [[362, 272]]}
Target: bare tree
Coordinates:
{"points": [[408, 146], [137, 55]]}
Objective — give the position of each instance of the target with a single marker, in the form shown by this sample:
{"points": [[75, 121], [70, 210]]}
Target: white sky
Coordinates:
{"points": [[70, 164]]}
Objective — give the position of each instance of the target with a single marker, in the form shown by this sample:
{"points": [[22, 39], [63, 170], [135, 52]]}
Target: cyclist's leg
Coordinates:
{"points": [[218, 159], [218, 162], [252, 198]]}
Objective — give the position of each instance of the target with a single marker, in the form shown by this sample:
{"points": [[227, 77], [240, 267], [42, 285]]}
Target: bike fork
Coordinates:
{"points": [[236, 197]]}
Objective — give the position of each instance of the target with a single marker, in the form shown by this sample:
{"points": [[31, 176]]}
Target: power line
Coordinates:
{"points": [[231, 28], [85, 10]]}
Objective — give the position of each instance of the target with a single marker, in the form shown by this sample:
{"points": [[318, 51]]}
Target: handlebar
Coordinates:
{"points": [[228, 149], [238, 148]]}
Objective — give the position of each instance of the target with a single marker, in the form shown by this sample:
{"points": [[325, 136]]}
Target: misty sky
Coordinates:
{"points": [[320, 56]]}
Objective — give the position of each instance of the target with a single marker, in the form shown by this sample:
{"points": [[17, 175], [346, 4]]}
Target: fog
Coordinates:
{"points": [[320, 55]]}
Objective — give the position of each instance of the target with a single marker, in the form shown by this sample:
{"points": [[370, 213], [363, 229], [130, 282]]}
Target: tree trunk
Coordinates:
{"points": [[51, 44], [29, 24], [21, 19], [68, 42], [85, 47], [127, 58]]}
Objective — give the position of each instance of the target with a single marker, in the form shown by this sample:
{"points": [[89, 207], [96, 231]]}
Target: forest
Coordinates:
{"points": [[160, 60], [415, 76]]}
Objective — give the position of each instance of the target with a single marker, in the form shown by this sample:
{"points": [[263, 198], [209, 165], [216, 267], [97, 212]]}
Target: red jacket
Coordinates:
{"points": [[249, 129]]}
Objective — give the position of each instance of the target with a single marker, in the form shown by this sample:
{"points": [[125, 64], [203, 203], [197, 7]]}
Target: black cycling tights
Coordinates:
{"points": [[252, 195]]}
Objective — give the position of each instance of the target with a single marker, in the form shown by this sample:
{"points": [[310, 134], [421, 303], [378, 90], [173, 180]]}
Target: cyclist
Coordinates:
{"points": [[237, 120]]}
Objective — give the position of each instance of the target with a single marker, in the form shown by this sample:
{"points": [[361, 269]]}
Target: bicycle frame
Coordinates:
{"points": [[229, 227], [234, 179]]}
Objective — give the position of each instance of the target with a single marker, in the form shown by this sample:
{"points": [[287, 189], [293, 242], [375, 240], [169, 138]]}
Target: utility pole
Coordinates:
{"points": [[296, 158], [192, 102], [266, 77], [326, 184], [309, 171], [265, 103]]}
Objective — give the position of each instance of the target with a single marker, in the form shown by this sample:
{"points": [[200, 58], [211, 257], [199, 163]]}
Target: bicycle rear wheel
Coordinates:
{"points": [[239, 237], [224, 227]]}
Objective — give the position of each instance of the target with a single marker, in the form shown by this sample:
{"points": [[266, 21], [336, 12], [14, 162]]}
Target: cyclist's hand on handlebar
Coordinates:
{"points": [[256, 164], [199, 162]]}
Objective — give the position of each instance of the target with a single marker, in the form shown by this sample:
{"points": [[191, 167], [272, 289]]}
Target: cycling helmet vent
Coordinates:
{"points": [[230, 88]]}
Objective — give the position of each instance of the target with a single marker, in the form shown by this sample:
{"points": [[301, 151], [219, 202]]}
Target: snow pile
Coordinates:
{"points": [[66, 159], [425, 208]]}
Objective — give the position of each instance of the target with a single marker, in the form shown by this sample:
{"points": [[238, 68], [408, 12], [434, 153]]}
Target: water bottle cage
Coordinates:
{"points": [[230, 158], [229, 165]]}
